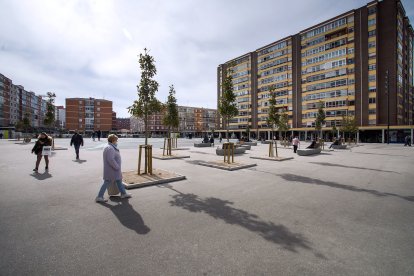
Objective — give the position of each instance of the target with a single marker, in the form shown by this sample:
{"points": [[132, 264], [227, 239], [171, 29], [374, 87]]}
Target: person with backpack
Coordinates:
{"points": [[76, 141], [43, 140]]}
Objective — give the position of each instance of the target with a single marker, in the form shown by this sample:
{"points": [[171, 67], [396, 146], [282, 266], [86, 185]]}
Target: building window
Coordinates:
{"points": [[372, 22], [372, 67], [98, 103], [372, 122], [98, 109], [372, 111], [372, 78], [372, 10], [371, 100], [371, 33], [372, 44], [80, 102]]}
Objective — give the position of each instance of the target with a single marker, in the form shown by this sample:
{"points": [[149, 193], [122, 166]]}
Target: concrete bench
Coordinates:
{"points": [[304, 152], [251, 143], [239, 150], [202, 145], [339, 146], [248, 147]]}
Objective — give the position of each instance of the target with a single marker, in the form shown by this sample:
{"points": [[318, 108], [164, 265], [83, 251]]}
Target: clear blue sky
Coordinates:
{"points": [[89, 48]]}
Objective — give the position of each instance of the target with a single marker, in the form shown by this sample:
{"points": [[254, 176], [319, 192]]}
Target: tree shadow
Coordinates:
{"points": [[350, 167], [385, 154], [80, 161], [221, 209], [41, 176], [314, 181], [201, 152], [127, 216], [194, 162]]}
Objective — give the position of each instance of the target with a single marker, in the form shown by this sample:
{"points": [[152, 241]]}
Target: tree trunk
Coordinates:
{"points": [[227, 129]]}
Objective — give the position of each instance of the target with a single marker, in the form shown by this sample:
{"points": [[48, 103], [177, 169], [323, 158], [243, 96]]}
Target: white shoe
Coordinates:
{"points": [[126, 195], [100, 199]]}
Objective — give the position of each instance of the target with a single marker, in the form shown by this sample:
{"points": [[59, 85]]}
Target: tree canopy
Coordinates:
{"points": [[147, 103], [227, 104]]}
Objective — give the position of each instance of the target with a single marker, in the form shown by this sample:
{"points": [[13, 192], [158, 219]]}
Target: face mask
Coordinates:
{"points": [[115, 144]]}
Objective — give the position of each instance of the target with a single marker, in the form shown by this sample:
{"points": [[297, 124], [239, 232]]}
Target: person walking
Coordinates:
{"points": [[43, 140], [76, 141], [99, 133], [407, 141], [295, 143], [93, 136], [112, 169]]}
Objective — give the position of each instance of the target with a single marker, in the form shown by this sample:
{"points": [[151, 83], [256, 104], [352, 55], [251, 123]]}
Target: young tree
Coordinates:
{"points": [[348, 125], [284, 122], [50, 109], [273, 116], [171, 118], [227, 104], [273, 119], [26, 120], [334, 131], [147, 104], [320, 118]]}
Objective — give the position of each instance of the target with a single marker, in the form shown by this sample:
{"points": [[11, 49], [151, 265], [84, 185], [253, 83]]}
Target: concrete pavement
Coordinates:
{"points": [[346, 212]]}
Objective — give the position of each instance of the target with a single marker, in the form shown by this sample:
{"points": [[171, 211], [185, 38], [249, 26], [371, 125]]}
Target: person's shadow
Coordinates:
{"points": [[80, 161], [126, 215], [41, 176]]}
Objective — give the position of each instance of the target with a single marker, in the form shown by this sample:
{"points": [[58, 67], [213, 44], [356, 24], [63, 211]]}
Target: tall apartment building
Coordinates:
{"points": [[17, 103], [88, 114], [60, 116], [343, 62]]}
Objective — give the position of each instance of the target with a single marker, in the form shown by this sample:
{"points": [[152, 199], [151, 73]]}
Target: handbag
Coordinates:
{"points": [[113, 189], [47, 150]]}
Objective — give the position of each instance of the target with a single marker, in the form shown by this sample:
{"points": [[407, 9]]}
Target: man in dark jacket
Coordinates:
{"points": [[77, 141]]}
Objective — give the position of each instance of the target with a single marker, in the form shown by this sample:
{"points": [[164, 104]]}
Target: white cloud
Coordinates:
{"points": [[90, 47]]}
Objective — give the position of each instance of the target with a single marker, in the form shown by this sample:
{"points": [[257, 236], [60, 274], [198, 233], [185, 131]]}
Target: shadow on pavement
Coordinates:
{"points": [[41, 176], [373, 153], [221, 209], [350, 167], [80, 161], [314, 181], [127, 216]]}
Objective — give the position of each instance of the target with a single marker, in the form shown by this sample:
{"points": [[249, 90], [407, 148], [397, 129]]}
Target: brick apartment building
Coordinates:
{"points": [[88, 114], [344, 63]]}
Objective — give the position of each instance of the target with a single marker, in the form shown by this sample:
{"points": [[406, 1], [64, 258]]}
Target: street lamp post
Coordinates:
{"points": [[388, 105]]}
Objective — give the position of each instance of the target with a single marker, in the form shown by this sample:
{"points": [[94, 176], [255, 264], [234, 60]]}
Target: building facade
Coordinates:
{"points": [[88, 114], [60, 117], [123, 123], [192, 120], [16, 103], [358, 64]]}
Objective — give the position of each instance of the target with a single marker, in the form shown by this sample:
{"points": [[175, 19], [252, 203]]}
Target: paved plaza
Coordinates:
{"points": [[342, 212]]}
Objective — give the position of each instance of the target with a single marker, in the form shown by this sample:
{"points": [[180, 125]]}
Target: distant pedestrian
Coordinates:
{"points": [[112, 169], [99, 133], [407, 141], [295, 143], [76, 141], [43, 140], [212, 140], [221, 139], [93, 136], [1, 135]]}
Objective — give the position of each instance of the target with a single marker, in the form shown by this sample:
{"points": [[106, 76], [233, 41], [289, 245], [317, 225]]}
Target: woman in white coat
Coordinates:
{"points": [[112, 168]]}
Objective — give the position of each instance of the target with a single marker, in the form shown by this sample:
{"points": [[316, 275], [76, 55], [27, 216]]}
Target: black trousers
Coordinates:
{"points": [[295, 148]]}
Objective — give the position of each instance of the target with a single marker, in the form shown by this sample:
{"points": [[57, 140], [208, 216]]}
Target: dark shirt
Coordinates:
{"points": [[76, 140], [40, 143]]}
